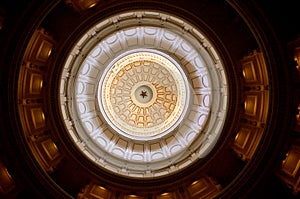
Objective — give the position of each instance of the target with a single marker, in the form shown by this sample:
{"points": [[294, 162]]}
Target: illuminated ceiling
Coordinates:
{"points": [[143, 99], [152, 95]]}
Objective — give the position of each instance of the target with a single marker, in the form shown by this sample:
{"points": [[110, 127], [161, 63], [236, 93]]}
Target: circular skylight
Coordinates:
{"points": [[143, 94]]}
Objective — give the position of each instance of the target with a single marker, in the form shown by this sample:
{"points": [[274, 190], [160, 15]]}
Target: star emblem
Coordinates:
{"points": [[143, 94]]}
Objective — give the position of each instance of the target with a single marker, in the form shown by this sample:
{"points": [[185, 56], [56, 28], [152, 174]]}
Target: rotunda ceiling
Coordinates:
{"points": [[138, 102], [144, 94]]}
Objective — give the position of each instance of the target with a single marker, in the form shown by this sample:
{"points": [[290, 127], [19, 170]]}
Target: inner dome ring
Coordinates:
{"points": [[99, 49], [131, 117]]}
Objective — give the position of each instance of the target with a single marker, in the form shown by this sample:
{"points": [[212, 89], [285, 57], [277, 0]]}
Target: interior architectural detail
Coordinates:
{"points": [[7, 184], [81, 5], [205, 187], [152, 90], [158, 93], [255, 106], [149, 99], [289, 171]]}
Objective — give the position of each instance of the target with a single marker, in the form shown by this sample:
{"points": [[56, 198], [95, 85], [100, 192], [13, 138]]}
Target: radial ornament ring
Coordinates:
{"points": [[143, 94]]}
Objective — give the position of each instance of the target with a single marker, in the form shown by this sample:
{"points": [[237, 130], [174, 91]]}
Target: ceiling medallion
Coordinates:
{"points": [[143, 94], [141, 98]]}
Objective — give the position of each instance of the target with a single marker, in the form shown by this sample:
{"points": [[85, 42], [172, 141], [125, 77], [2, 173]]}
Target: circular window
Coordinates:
{"points": [[143, 94]]}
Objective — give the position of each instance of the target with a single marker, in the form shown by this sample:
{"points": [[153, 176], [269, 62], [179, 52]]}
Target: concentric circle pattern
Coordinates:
{"points": [[144, 94]]}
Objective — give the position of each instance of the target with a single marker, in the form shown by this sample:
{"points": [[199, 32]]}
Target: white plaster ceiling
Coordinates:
{"points": [[143, 48]]}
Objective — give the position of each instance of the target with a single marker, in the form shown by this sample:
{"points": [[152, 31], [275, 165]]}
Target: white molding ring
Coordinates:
{"points": [[166, 109], [200, 125]]}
